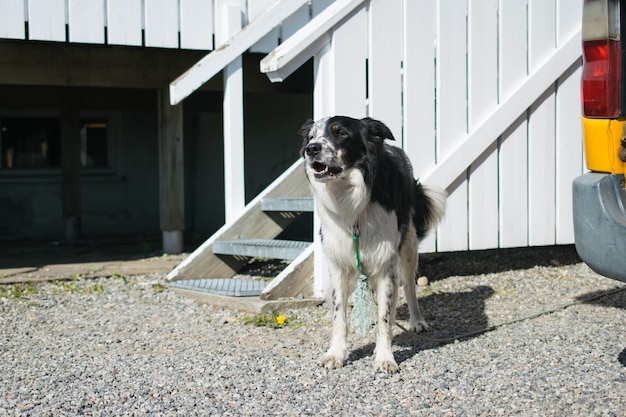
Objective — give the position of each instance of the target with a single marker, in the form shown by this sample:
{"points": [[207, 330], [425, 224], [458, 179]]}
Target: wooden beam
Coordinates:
{"points": [[171, 173], [70, 165]]}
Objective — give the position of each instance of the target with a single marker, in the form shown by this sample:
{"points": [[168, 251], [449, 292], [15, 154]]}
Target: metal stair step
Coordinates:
{"points": [[262, 248], [301, 204], [231, 287]]}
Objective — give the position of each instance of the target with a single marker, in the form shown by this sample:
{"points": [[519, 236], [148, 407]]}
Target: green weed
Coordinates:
{"points": [[17, 292], [273, 320]]}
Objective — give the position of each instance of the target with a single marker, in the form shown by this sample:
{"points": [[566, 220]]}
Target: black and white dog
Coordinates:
{"points": [[360, 182]]}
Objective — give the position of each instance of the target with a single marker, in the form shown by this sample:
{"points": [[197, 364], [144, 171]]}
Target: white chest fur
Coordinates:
{"points": [[341, 205]]}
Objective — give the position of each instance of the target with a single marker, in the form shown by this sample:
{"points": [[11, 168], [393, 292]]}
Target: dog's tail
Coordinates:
{"points": [[429, 208]]}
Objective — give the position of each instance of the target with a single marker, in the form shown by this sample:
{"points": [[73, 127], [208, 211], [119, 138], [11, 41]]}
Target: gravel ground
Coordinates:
{"points": [[128, 346]]}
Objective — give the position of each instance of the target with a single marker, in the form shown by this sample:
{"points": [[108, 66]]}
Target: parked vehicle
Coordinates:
{"points": [[599, 197]]}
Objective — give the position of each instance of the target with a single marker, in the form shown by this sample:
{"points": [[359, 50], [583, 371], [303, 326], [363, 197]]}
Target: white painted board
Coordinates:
{"points": [[12, 19], [124, 22], [541, 141], [482, 101], [385, 64], [46, 20], [196, 24], [86, 21], [452, 114], [161, 23]]}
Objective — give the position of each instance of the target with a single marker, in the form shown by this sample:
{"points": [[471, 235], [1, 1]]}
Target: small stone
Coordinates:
{"points": [[422, 281]]}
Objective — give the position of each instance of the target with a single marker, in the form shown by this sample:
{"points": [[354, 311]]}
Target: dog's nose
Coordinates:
{"points": [[313, 149]]}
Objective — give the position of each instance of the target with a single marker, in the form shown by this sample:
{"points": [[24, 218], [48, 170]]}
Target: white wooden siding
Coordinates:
{"points": [[186, 24], [484, 97]]}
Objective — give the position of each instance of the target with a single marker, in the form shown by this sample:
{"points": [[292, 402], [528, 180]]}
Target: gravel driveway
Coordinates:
{"points": [[128, 346]]}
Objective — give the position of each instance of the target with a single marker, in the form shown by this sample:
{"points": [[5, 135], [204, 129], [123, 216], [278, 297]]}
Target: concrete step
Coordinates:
{"points": [[291, 204], [261, 248]]}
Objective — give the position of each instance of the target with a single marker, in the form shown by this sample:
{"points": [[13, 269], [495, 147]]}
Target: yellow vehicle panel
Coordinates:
{"points": [[602, 143]]}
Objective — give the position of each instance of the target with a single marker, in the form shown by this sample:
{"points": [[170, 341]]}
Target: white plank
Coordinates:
{"points": [[234, 168], [514, 185], [46, 20], [452, 114], [453, 230], [541, 162], [385, 64], [569, 152], [541, 171], [483, 99], [161, 28], [349, 47], [270, 41], [514, 142], [419, 92], [196, 24], [569, 149], [86, 21], [12, 19], [513, 46], [124, 22], [483, 201]]}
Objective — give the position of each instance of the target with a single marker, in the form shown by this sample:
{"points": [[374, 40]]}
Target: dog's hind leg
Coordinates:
{"points": [[408, 272], [387, 295], [335, 356]]}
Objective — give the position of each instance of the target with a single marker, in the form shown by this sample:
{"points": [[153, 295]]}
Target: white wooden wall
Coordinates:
{"points": [[186, 24], [484, 97]]}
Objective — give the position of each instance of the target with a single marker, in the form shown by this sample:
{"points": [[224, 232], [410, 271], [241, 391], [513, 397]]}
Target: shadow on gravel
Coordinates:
{"points": [[622, 357], [614, 298], [450, 315], [442, 265]]}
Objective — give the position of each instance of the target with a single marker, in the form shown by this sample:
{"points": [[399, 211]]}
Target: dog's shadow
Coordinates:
{"points": [[451, 316], [454, 315]]}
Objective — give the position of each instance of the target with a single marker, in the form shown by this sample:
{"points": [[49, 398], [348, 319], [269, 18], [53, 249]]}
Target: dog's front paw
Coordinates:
{"points": [[330, 361], [387, 366]]}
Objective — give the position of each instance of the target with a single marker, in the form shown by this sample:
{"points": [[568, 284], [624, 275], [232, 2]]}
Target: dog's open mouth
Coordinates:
{"points": [[322, 171]]}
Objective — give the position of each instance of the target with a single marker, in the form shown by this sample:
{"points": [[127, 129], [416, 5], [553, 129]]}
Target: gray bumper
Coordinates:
{"points": [[600, 223]]}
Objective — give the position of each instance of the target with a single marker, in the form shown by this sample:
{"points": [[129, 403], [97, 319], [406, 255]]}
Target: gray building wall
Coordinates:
{"points": [[125, 200]]}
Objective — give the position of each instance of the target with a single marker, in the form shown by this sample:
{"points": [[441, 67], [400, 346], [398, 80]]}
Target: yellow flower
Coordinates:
{"points": [[280, 320]]}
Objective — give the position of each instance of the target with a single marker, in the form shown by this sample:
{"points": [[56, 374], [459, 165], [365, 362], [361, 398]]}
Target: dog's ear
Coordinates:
{"points": [[306, 127], [377, 130], [304, 133]]}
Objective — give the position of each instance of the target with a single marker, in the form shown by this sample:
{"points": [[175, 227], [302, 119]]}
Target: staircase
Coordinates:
{"points": [[211, 273]]}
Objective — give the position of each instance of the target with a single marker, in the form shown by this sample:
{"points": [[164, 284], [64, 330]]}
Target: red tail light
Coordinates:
{"points": [[602, 92]]}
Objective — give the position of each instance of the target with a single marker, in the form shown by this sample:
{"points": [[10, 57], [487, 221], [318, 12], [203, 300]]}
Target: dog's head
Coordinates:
{"points": [[333, 146]]}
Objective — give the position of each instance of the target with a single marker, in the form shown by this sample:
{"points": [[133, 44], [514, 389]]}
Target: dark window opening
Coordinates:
{"points": [[30, 143], [35, 143], [93, 143]]}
